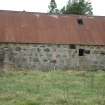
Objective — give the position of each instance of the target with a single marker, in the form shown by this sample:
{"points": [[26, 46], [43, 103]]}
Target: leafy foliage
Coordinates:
{"points": [[80, 7], [53, 7]]}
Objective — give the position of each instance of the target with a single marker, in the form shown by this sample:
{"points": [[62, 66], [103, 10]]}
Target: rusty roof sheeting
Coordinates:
{"points": [[28, 27]]}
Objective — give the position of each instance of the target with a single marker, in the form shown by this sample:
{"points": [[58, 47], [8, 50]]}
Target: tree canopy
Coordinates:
{"points": [[53, 7], [79, 7]]}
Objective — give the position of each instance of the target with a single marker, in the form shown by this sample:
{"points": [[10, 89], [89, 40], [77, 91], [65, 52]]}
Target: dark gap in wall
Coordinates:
{"points": [[102, 53], [1, 58], [87, 51], [80, 21], [81, 52], [47, 49], [72, 46]]}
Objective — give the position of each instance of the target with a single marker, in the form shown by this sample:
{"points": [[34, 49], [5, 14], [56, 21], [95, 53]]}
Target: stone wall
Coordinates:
{"points": [[51, 57]]}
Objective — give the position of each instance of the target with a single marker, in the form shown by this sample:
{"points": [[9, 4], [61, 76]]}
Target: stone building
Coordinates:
{"points": [[37, 41]]}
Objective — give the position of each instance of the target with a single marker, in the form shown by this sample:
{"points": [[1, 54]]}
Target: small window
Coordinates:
{"points": [[81, 52], [80, 21], [72, 46]]}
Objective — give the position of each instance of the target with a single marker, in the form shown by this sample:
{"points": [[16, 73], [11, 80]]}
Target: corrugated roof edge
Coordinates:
{"points": [[42, 13], [52, 43], [76, 41]]}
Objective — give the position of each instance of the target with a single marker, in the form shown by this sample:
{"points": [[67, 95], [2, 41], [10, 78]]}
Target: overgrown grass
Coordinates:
{"points": [[52, 88]]}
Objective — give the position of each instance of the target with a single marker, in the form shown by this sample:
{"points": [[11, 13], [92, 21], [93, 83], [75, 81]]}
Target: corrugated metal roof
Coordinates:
{"points": [[28, 27]]}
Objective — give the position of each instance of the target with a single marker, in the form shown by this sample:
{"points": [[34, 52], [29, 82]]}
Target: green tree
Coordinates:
{"points": [[79, 7], [53, 7]]}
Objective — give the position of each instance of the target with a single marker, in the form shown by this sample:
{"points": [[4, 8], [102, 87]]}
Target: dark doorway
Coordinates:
{"points": [[81, 52]]}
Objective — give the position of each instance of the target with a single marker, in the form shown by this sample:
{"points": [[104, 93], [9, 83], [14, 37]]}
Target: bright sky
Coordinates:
{"points": [[42, 5]]}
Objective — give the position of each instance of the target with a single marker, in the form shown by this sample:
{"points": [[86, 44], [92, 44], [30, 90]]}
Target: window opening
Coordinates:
{"points": [[81, 52], [72, 46]]}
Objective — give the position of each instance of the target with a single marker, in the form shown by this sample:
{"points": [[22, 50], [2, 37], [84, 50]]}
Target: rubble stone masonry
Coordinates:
{"points": [[51, 57]]}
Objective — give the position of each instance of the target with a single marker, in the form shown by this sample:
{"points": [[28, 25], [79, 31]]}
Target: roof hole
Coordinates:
{"points": [[80, 21]]}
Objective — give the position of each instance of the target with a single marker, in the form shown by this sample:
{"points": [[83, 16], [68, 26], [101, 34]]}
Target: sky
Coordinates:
{"points": [[42, 5]]}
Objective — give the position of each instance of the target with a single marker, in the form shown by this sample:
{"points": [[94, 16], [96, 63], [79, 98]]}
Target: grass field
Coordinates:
{"points": [[52, 88]]}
